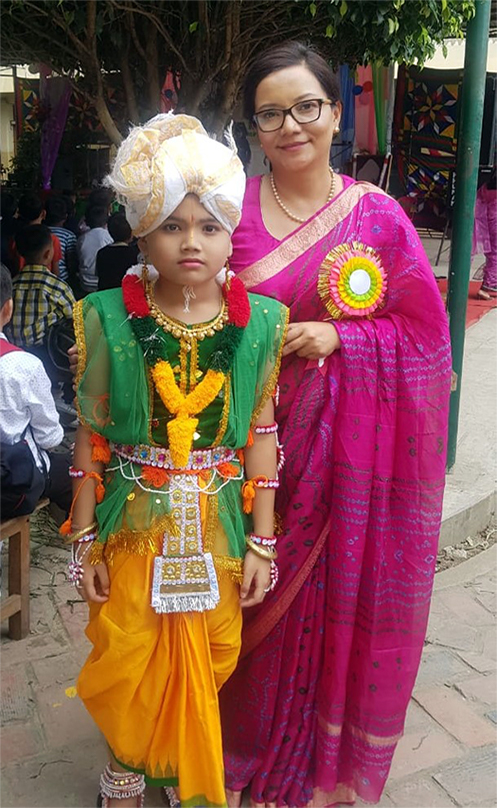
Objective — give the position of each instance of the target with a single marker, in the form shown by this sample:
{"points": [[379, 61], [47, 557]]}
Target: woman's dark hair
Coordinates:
{"points": [[288, 54], [119, 228]]}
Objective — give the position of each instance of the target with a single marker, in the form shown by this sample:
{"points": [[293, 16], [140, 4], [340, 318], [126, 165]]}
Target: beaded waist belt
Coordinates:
{"points": [[184, 577], [160, 458]]}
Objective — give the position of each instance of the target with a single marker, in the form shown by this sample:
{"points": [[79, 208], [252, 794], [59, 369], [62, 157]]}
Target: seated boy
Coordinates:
{"points": [[41, 300], [27, 413]]}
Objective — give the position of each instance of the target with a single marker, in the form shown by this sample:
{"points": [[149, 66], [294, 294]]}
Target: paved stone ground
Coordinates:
{"points": [[51, 753]]}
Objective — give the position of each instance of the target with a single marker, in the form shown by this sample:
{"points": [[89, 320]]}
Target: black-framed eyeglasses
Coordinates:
{"points": [[308, 111]]}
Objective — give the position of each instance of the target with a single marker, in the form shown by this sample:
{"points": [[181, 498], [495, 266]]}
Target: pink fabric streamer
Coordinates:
{"points": [[317, 704], [55, 94]]}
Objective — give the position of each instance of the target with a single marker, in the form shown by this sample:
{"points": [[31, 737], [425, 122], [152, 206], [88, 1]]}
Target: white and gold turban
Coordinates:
{"points": [[171, 156]]}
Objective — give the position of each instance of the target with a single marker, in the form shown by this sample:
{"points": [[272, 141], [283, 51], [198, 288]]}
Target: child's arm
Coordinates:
{"points": [[95, 582], [260, 459]]}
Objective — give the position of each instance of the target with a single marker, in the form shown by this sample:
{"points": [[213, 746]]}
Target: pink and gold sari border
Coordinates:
{"points": [[311, 233], [369, 738]]}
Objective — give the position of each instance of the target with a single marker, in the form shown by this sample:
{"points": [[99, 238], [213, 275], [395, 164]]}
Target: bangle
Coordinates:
{"points": [[75, 473], [266, 430], [274, 577], [263, 540], [267, 553], [80, 535]]}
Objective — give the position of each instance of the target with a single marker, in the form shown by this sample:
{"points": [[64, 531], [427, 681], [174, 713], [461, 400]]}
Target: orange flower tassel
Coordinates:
{"points": [[248, 496], [100, 448], [250, 439], [155, 476], [241, 456], [66, 527], [228, 470]]}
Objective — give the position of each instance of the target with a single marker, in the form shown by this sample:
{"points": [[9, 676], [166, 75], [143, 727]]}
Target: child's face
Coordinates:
{"points": [[190, 247]]}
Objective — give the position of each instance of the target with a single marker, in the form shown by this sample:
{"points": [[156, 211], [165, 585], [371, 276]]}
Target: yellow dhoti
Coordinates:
{"points": [[151, 681]]}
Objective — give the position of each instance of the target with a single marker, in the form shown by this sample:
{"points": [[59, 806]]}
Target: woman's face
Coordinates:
{"points": [[295, 146]]}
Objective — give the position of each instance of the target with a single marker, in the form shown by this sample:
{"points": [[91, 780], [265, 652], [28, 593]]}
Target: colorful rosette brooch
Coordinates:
{"points": [[352, 281]]}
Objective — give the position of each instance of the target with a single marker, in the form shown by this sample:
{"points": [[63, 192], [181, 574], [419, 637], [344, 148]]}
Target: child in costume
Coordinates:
{"points": [[175, 467]]}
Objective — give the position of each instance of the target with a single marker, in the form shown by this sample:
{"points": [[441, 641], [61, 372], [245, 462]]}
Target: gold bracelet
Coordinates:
{"points": [[79, 533], [267, 553]]}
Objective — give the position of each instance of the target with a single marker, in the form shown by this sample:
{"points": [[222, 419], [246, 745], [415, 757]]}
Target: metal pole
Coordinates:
{"points": [[468, 156]]}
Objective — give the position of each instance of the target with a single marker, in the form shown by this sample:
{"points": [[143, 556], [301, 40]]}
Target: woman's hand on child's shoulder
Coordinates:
{"points": [[256, 578], [95, 584]]}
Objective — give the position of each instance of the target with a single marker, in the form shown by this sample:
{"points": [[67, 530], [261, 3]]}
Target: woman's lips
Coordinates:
{"points": [[293, 146]]}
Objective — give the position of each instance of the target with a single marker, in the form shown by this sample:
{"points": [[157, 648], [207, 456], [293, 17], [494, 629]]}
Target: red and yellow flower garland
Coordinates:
{"points": [[185, 408]]}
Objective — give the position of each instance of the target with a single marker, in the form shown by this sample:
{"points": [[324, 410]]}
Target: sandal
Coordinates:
{"points": [[120, 786]]}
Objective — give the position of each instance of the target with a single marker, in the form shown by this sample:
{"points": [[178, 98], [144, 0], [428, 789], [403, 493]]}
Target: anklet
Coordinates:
{"points": [[121, 785]]}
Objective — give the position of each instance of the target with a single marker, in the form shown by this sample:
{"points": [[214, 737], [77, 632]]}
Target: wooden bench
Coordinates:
{"points": [[15, 607]]}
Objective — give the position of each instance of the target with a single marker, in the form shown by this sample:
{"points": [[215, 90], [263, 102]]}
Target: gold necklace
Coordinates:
{"points": [[284, 207], [178, 329]]}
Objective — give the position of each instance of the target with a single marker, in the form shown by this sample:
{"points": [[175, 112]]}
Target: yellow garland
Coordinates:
{"points": [[182, 428]]}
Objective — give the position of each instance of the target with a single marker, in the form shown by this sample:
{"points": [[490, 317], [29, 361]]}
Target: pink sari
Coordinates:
{"points": [[318, 701]]}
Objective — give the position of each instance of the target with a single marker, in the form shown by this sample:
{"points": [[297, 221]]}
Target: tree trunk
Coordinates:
{"points": [[105, 118], [129, 90], [154, 85]]}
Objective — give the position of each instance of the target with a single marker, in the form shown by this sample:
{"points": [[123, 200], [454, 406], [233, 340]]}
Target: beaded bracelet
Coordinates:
{"points": [[266, 430], [263, 540], [249, 487], [264, 482], [267, 553], [76, 473], [274, 575], [75, 567]]}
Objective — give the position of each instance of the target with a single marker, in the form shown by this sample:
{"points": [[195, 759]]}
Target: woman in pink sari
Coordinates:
{"points": [[317, 704]]}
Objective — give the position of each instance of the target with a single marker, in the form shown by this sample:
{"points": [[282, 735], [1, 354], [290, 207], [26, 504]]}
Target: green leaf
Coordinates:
{"points": [[313, 9], [391, 26], [343, 8], [444, 5], [329, 31], [193, 27]]}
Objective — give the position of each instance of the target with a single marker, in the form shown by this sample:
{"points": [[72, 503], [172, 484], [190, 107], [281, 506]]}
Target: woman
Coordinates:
{"points": [[485, 236], [313, 713]]}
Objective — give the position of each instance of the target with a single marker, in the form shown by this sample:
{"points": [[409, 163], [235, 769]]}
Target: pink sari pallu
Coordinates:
{"points": [[317, 704]]}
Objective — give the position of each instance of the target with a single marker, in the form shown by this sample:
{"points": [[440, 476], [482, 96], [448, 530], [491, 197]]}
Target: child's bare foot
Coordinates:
{"points": [[233, 798]]}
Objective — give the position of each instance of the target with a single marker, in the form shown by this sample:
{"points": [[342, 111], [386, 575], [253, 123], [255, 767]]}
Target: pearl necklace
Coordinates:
{"points": [[284, 207]]}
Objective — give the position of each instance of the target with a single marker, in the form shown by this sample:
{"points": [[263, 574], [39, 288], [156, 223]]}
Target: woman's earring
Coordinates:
{"points": [[336, 130]]}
